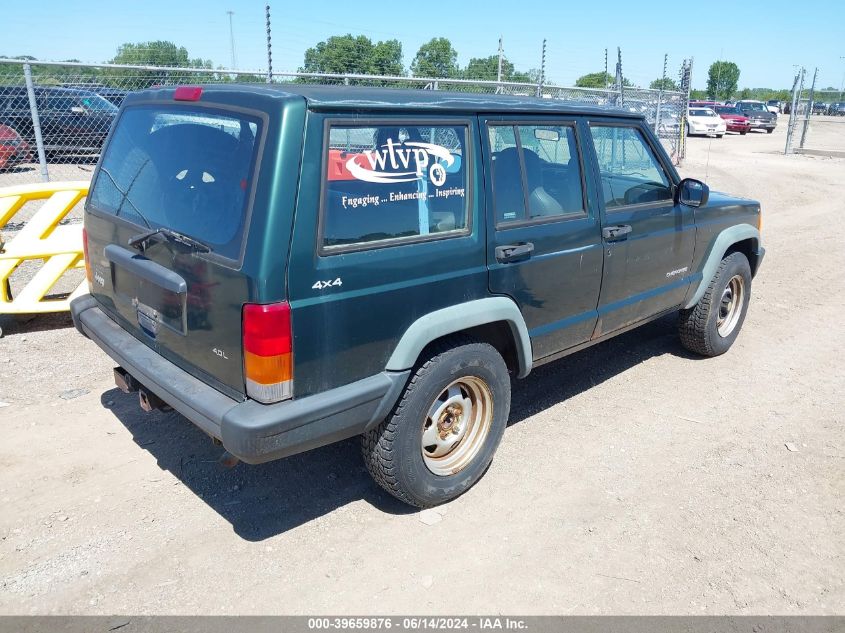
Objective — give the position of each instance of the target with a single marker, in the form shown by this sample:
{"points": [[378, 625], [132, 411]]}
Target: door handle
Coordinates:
{"points": [[513, 252], [616, 232]]}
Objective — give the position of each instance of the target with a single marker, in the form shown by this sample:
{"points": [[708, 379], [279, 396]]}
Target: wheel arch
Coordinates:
{"points": [[494, 320], [742, 238]]}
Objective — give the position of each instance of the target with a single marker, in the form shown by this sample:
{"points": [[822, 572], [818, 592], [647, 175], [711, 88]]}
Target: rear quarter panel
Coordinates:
{"points": [[348, 332]]}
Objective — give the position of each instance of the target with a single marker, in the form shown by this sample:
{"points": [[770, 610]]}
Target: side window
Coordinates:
{"points": [[389, 182], [630, 172], [536, 172]]}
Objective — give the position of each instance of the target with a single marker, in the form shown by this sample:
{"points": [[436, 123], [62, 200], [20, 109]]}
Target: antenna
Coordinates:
{"points": [[232, 39]]}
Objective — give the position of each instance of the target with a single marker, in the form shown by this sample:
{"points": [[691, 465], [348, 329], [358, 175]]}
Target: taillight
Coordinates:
{"points": [[88, 274], [268, 351]]}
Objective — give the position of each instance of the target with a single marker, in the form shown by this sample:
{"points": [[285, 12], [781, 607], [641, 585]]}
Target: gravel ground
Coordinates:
{"points": [[633, 478]]}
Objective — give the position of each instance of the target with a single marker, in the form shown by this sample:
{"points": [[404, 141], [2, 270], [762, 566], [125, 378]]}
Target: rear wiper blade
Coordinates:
{"points": [[142, 240]]}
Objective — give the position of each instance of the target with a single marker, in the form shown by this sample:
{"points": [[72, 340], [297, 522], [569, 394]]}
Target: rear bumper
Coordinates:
{"points": [[250, 431]]}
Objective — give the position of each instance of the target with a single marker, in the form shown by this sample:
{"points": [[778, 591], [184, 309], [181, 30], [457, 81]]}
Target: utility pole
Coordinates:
{"points": [[605, 69], [232, 39], [501, 55], [269, 46], [619, 80], [542, 78]]}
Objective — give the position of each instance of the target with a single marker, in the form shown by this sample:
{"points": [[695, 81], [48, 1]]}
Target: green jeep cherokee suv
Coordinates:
{"points": [[291, 266]]}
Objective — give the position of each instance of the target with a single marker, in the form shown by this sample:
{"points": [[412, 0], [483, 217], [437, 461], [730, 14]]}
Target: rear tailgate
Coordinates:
{"points": [[191, 168]]}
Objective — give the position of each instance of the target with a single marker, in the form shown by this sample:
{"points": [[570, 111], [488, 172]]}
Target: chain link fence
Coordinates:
{"points": [[54, 116], [816, 119]]}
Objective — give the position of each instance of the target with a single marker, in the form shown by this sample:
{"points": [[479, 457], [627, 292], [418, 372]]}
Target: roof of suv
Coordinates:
{"points": [[366, 98]]}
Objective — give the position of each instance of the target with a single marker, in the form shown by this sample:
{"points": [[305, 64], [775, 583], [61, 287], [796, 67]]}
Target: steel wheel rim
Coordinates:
{"points": [[456, 426], [730, 306]]}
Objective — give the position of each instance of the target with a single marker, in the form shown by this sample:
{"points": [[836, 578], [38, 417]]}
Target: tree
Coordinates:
{"points": [[594, 80], [157, 53], [436, 58], [664, 83], [487, 68], [387, 58], [348, 54], [722, 80]]}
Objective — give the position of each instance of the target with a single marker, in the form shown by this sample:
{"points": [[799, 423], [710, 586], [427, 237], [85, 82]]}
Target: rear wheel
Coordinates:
{"points": [[441, 436], [711, 326]]}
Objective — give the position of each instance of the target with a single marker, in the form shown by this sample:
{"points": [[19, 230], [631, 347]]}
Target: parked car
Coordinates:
{"points": [[758, 115], [836, 109], [72, 120], [291, 266], [705, 121], [734, 119], [773, 105], [819, 107], [702, 104], [113, 95], [13, 149]]}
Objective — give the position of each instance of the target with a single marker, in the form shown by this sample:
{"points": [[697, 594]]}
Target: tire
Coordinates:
{"points": [[769, 131], [743, 133], [711, 326], [459, 370], [719, 135]]}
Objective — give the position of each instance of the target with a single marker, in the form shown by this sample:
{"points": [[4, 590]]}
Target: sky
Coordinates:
{"points": [[767, 40]]}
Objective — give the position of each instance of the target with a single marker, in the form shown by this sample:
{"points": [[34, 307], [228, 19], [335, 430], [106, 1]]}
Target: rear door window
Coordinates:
{"points": [[393, 182], [186, 169], [536, 172]]}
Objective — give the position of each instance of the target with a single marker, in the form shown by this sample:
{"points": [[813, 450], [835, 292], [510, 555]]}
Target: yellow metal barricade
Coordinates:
{"points": [[41, 242]]}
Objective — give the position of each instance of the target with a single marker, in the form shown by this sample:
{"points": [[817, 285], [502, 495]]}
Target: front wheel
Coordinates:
{"points": [[719, 135], [711, 326], [769, 131], [441, 436], [743, 133]]}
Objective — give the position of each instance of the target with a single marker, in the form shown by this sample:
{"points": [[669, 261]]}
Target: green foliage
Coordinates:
{"points": [[487, 69], [157, 53], [597, 80], [722, 80], [662, 83], [436, 58], [347, 54], [594, 80]]}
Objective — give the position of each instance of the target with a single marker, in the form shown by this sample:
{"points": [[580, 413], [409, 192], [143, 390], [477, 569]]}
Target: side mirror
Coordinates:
{"points": [[692, 193]]}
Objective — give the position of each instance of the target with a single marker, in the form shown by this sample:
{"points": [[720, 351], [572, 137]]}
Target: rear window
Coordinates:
{"points": [[189, 170], [394, 182]]}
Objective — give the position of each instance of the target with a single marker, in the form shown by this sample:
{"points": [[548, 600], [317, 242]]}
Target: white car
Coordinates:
{"points": [[705, 121]]}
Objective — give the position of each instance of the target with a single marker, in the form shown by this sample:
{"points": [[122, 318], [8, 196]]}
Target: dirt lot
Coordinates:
{"points": [[633, 479]]}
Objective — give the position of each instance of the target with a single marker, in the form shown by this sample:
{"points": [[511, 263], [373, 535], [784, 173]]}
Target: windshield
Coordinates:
{"points": [[185, 169], [702, 112], [98, 103], [754, 106], [727, 110]]}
